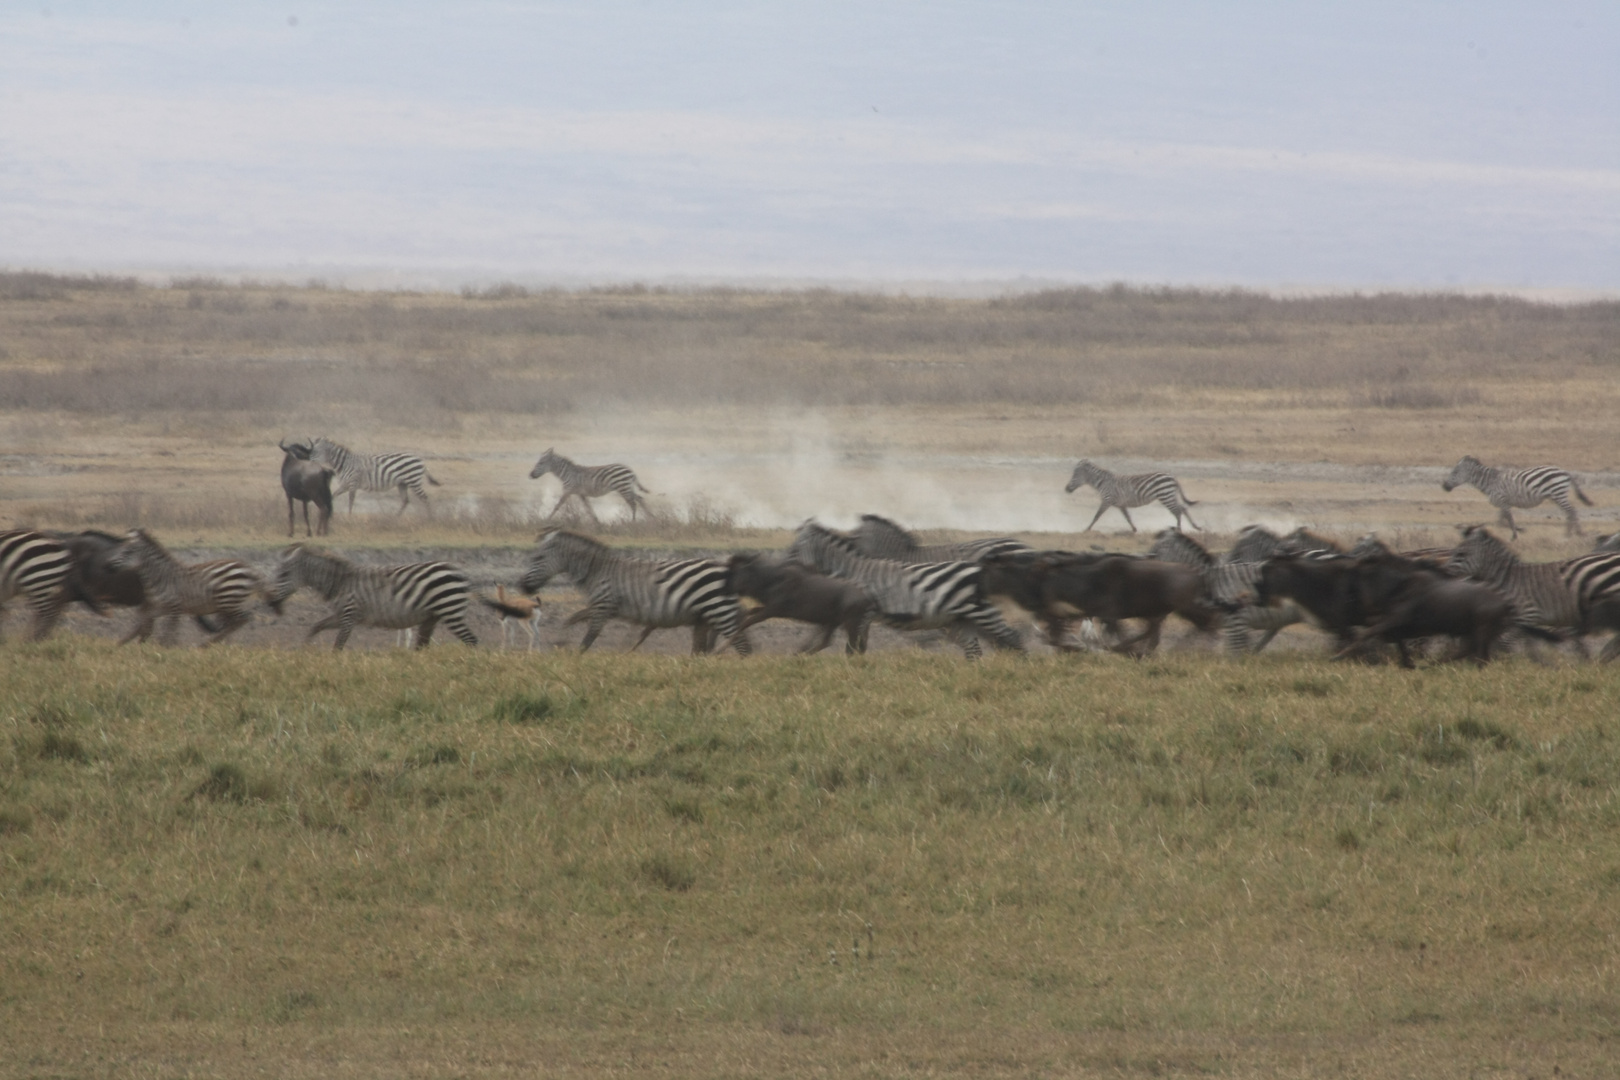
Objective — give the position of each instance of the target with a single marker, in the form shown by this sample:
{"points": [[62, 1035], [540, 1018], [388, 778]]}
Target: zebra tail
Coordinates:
{"points": [[430, 479]]}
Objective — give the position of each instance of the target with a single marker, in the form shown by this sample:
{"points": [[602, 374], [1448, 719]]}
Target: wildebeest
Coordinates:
{"points": [[307, 482], [786, 590], [90, 582], [1405, 599], [1056, 586], [1327, 589]]}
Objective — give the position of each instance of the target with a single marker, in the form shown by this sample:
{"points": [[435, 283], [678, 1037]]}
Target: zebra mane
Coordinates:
{"points": [[1172, 545], [1255, 543], [892, 529], [1478, 539], [1302, 539]]}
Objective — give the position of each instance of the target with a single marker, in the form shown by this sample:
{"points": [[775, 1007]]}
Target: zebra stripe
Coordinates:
{"points": [[1595, 581], [36, 567], [1232, 586], [373, 472], [411, 596], [1519, 488], [223, 587], [685, 592], [879, 538], [587, 482], [1122, 492], [1538, 591], [911, 596]]}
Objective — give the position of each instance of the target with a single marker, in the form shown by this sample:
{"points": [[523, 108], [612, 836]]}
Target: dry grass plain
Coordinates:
{"points": [[278, 861]]}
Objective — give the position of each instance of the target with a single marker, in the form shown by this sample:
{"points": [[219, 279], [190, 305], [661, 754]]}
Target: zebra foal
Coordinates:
{"points": [[1510, 489], [587, 482], [36, 567], [411, 596], [1122, 492], [911, 596], [682, 592], [373, 472], [223, 587]]}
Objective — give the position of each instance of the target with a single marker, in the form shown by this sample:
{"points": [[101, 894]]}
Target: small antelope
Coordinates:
{"points": [[521, 610]]}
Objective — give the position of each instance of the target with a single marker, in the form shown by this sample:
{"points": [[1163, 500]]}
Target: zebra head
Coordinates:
{"points": [[1463, 472], [324, 451], [547, 462], [1255, 543], [1084, 473], [562, 553], [1480, 555], [814, 543], [135, 550]]}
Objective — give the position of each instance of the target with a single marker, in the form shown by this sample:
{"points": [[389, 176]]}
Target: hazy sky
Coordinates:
{"points": [[1361, 144]]}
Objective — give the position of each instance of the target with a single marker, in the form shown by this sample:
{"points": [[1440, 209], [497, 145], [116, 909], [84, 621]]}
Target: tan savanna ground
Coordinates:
{"points": [[272, 861]]}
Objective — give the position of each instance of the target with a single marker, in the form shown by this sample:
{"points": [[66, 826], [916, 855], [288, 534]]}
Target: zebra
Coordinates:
{"points": [[1231, 584], [36, 567], [682, 592], [1610, 542], [1539, 592], [1594, 578], [1521, 488], [373, 472], [879, 538], [587, 482], [411, 597], [223, 587], [1304, 542], [911, 596], [1127, 491]]}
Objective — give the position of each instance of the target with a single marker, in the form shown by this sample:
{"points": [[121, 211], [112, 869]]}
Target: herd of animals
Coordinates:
{"points": [[1370, 596]]}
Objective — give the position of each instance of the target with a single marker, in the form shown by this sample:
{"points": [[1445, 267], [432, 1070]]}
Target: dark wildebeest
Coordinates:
{"points": [[1326, 588], [91, 583], [1405, 599], [787, 590], [307, 482], [1056, 586]]}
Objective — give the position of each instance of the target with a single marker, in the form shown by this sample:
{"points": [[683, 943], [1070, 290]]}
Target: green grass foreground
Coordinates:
{"points": [[235, 861]]}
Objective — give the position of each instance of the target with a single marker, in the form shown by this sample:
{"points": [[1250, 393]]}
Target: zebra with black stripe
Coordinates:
{"points": [[410, 596], [1122, 492], [223, 587], [1595, 581], [1231, 584], [682, 592], [587, 482], [35, 567], [1508, 489], [354, 472], [880, 538], [1539, 593], [912, 596]]}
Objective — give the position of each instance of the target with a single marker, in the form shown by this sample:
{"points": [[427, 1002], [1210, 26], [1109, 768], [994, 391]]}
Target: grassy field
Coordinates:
{"points": [[471, 863]]}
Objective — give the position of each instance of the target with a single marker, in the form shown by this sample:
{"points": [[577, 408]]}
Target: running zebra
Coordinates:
{"points": [[914, 596], [879, 538], [1231, 585], [35, 567], [223, 587], [409, 597], [683, 592], [1123, 492], [1539, 592], [1508, 489], [587, 482], [352, 472]]}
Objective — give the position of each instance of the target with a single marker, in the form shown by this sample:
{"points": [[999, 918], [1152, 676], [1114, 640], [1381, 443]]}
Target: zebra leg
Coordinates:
{"points": [[421, 493], [963, 632], [46, 610], [989, 621], [1128, 520], [405, 495], [171, 628], [345, 625], [589, 509], [351, 500], [1610, 651], [325, 624], [1187, 510], [144, 618], [1506, 518], [1097, 515], [646, 632], [231, 621], [458, 626], [424, 633], [1572, 524]]}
